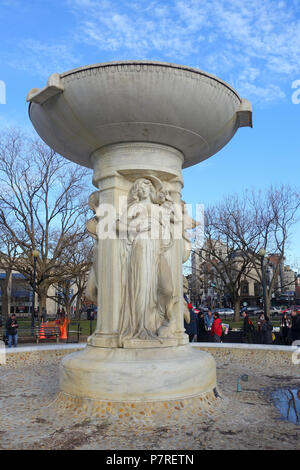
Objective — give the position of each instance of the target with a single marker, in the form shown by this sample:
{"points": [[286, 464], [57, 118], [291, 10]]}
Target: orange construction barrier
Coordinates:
{"points": [[63, 323], [42, 331]]}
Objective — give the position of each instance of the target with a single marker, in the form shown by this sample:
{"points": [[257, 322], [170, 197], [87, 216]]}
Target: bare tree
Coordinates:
{"points": [[43, 206], [228, 234], [71, 286], [236, 230], [8, 255], [275, 214]]}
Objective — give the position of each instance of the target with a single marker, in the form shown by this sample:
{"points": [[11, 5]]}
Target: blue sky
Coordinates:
{"points": [[254, 46]]}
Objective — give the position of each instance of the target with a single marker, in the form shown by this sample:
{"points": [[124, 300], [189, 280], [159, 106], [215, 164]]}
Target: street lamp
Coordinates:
{"points": [[262, 253], [35, 255]]}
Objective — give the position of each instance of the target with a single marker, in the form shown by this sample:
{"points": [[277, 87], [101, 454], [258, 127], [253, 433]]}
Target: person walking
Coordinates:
{"points": [[12, 330], [266, 330], [295, 326], [285, 325], [216, 329], [248, 329]]}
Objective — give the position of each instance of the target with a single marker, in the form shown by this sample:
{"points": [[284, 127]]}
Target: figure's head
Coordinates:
{"points": [[144, 189], [163, 194], [294, 313], [141, 190]]}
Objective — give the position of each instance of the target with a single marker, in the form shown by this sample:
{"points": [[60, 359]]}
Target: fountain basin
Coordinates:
{"points": [[85, 109]]}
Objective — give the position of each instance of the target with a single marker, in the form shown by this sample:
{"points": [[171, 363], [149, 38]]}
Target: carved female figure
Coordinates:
{"points": [[143, 278]]}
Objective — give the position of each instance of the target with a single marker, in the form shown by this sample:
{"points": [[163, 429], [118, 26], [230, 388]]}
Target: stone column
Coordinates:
{"points": [[176, 185], [116, 167]]}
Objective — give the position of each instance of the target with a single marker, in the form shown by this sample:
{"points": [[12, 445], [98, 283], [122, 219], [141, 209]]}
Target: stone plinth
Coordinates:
{"points": [[136, 375]]}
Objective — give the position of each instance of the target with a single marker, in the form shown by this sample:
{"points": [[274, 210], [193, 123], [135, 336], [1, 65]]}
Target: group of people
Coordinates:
{"points": [[264, 333], [290, 328], [204, 326], [208, 326], [288, 333]]}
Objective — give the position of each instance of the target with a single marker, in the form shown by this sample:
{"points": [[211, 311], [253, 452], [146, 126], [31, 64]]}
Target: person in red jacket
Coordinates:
{"points": [[216, 329]]}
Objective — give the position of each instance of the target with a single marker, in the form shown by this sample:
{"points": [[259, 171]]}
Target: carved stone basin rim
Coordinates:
{"points": [[90, 107]]}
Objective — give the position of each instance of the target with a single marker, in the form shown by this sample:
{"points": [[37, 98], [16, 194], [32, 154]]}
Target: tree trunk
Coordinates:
{"points": [[78, 309], [6, 294], [236, 306], [68, 310], [268, 303], [42, 295]]}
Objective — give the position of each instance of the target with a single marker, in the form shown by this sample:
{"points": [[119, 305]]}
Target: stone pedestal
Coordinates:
{"points": [[138, 375], [135, 369]]}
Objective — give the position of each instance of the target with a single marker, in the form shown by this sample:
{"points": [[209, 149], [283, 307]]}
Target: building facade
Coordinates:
{"points": [[206, 286], [20, 296]]}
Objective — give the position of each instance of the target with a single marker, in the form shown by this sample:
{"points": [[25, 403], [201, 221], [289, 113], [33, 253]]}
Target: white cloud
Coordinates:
{"points": [[43, 59], [266, 94], [256, 44]]}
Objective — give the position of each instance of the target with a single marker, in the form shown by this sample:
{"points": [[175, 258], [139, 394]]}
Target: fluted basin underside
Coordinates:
{"points": [[85, 109]]}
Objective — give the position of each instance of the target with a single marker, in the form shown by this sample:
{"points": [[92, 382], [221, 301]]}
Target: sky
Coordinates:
{"points": [[254, 46]]}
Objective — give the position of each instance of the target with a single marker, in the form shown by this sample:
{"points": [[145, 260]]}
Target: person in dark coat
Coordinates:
{"points": [[202, 335], [248, 329], [266, 331], [285, 325], [12, 330], [260, 322], [191, 328], [295, 328]]}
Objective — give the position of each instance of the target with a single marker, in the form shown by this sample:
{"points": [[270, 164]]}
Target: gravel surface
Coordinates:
{"points": [[31, 416]]}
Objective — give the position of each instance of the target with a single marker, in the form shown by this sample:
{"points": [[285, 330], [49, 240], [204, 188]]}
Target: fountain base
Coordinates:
{"points": [[107, 380]]}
